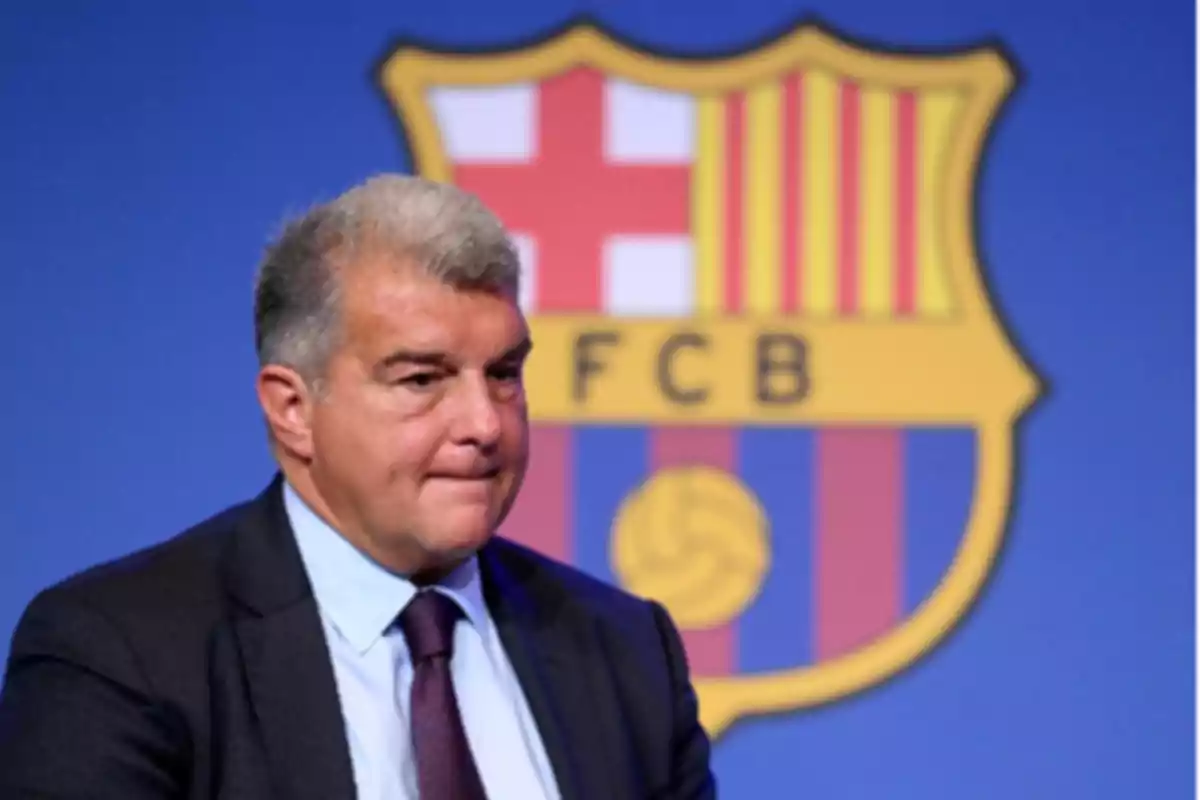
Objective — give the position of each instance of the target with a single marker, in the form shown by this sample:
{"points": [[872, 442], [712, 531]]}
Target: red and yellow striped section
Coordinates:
{"points": [[819, 196]]}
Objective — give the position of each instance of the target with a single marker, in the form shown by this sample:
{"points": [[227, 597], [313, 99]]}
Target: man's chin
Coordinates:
{"points": [[459, 533]]}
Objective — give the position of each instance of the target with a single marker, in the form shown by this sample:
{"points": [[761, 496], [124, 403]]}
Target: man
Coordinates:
{"points": [[356, 630]]}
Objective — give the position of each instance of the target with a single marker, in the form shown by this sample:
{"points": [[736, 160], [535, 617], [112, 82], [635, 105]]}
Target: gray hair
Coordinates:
{"points": [[438, 228]]}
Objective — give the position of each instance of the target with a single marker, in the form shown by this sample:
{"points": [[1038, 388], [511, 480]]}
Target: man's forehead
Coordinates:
{"points": [[481, 333], [452, 339]]}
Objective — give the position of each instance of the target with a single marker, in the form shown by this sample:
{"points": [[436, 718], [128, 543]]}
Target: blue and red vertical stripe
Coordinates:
{"points": [[864, 523]]}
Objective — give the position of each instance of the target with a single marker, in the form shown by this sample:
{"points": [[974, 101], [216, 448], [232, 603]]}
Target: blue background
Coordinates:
{"points": [[149, 150]]}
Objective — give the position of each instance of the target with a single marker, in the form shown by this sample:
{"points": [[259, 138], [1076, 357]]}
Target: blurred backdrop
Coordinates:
{"points": [[865, 336]]}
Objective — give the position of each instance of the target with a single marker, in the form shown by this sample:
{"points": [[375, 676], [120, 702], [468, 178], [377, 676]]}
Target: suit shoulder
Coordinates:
{"points": [[598, 598]]}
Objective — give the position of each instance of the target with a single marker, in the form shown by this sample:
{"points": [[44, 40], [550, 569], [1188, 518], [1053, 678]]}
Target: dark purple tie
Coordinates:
{"points": [[445, 769]]}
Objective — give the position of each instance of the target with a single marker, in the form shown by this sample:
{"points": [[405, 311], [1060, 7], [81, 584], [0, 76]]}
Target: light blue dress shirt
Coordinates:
{"points": [[359, 601]]}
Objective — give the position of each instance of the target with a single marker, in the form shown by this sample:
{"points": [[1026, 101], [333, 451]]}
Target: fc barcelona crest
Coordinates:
{"points": [[769, 389]]}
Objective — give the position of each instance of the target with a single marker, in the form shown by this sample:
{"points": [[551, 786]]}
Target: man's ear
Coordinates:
{"points": [[287, 403]]}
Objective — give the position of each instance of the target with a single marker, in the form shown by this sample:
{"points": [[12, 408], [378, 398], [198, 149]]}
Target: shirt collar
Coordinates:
{"points": [[361, 597]]}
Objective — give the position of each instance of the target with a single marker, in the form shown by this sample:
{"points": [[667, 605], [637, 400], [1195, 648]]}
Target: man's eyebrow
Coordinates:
{"points": [[435, 358], [429, 358], [518, 351]]}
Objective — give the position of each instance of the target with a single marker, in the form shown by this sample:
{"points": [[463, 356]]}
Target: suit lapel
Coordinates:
{"points": [[293, 691], [558, 662], [287, 667]]}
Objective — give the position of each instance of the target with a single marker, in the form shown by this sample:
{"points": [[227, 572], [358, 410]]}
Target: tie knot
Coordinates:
{"points": [[428, 625]]}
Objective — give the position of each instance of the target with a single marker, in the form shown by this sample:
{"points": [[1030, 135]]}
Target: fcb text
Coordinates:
{"points": [[778, 361]]}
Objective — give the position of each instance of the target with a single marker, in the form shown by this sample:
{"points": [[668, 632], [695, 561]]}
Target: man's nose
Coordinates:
{"points": [[476, 419]]}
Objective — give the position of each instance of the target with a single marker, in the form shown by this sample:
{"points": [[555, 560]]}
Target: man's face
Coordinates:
{"points": [[420, 443]]}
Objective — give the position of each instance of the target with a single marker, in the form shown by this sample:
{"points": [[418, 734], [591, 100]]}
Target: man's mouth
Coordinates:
{"points": [[483, 474]]}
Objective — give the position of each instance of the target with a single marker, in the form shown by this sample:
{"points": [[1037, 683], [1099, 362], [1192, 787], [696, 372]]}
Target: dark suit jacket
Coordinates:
{"points": [[198, 669]]}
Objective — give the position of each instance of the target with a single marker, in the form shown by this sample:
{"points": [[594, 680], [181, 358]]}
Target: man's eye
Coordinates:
{"points": [[509, 372], [420, 380]]}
